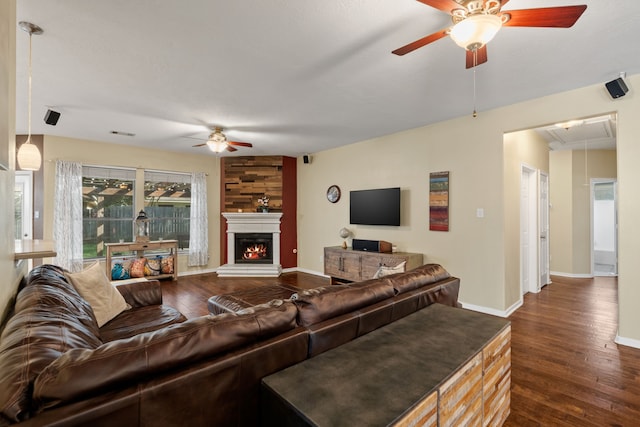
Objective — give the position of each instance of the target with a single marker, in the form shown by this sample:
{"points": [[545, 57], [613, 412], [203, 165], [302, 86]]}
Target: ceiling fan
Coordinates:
{"points": [[476, 22], [218, 142]]}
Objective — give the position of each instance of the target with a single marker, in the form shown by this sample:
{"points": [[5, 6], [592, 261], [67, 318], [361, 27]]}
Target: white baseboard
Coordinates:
{"points": [[571, 275], [304, 270], [284, 270], [194, 272], [627, 341], [493, 311]]}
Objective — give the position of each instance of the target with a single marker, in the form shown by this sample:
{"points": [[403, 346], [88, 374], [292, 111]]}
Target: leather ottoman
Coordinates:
{"points": [[236, 301]]}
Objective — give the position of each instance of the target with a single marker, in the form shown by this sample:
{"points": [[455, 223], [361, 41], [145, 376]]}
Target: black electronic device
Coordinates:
{"points": [[375, 207], [370, 245], [617, 88], [52, 117]]}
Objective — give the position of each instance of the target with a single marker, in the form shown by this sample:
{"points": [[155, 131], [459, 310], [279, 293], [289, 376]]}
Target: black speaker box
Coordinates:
{"points": [[617, 88], [51, 118], [306, 159], [371, 245]]}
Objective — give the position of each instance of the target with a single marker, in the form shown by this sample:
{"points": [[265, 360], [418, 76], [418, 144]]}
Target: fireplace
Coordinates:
{"points": [[254, 248], [253, 244]]}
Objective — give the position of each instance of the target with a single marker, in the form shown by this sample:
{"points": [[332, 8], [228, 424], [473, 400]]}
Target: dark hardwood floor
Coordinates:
{"points": [[566, 368]]}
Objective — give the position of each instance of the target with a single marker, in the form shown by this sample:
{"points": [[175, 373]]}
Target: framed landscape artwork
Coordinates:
{"points": [[439, 201]]}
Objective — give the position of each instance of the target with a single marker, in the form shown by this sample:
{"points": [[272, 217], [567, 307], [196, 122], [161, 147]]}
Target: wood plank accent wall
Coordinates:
{"points": [[245, 179], [248, 178]]}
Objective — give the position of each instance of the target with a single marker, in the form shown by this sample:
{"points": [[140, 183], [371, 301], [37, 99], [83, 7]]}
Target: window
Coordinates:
{"points": [[167, 202], [107, 208]]}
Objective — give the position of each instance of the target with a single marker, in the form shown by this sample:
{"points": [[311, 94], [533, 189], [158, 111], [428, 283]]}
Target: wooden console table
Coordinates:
{"points": [[354, 266], [440, 366], [139, 248]]}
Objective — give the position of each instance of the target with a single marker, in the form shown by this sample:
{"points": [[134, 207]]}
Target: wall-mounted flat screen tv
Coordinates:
{"points": [[375, 207]]}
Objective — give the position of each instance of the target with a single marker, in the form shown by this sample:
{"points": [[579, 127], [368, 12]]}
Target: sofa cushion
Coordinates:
{"points": [[50, 318], [140, 320], [418, 277], [94, 286], [81, 372], [318, 304]]}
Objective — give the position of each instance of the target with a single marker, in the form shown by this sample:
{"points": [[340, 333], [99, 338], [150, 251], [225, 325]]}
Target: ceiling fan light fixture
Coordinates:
{"points": [[475, 31], [216, 145], [217, 141]]}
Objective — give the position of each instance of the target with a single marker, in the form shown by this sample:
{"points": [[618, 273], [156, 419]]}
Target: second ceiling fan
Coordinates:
{"points": [[218, 142], [476, 22]]}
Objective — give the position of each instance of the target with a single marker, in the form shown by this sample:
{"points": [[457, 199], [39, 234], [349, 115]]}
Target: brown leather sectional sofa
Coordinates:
{"points": [[151, 367]]}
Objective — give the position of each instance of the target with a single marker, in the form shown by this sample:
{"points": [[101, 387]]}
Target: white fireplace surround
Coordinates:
{"points": [[245, 222]]}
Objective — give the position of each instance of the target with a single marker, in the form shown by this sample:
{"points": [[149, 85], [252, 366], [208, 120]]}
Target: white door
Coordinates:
{"points": [[604, 236], [24, 205], [528, 231], [543, 226]]}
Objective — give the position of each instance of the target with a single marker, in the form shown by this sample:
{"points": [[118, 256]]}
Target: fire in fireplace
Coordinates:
{"points": [[257, 251], [254, 248]]}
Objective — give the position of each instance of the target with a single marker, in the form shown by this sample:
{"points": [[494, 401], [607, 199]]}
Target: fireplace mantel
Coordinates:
{"points": [[249, 222]]}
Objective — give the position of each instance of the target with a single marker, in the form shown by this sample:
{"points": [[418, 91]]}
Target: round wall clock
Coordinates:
{"points": [[333, 193]]}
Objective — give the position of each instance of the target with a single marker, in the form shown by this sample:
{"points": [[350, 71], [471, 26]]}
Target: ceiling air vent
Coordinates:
{"points": [[117, 132]]}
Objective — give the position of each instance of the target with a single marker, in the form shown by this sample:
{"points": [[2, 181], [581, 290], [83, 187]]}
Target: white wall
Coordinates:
{"points": [[11, 274], [472, 150], [405, 160], [520, 148], [561, 212]]}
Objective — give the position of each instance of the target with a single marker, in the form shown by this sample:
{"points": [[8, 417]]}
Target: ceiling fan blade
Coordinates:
{"points": [[200, 145], [480, 57], [443, 5], [503, 2], [230, 148], [421, 42], [195, 137], [556, 17], [240, 144]]}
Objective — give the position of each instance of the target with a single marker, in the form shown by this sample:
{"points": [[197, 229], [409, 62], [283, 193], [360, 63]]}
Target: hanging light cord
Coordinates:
{"points": [[475, 63], [29, 120]]}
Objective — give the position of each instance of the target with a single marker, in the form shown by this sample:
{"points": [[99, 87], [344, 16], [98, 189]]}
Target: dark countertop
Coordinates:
{"points": [[375, 378]]}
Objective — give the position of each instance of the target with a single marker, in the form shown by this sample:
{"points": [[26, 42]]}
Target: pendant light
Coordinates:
{"points": [[29, 157]]}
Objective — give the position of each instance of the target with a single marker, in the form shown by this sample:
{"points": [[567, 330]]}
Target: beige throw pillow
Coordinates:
{"points": [[387, 271], [94, 286]]}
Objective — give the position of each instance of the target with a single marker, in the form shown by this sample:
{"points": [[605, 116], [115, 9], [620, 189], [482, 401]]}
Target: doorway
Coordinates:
{"points": [[23, 197], [543, 227], [604, 226]]}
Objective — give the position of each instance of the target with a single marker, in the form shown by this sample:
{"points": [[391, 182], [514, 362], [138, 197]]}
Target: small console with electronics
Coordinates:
{"points": [[371, 245]]}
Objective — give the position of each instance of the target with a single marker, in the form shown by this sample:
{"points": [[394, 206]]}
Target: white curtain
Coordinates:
{"points": [[67, 215], [199, 222]]}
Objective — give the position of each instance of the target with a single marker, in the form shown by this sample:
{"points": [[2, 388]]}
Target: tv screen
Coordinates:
{"points": [[375, 207]]}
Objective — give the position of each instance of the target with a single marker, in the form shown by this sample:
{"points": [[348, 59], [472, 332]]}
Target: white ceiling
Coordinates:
{"points": [[291, 76]]}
